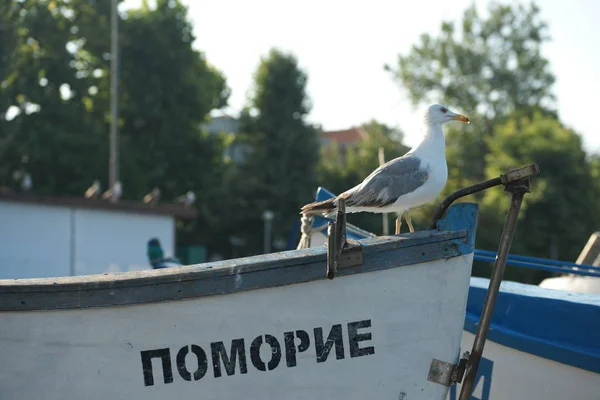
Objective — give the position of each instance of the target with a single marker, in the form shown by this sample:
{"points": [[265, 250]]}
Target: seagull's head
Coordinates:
{"points": [[439, 114]]}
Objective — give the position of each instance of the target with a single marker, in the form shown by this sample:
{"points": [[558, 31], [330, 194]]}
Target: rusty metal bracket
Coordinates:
{"points": [[517, 184], [516, 181], [519, 174], [459, 371], [341, 251], [351, 254], [441, 372], [446, 373], [512, 175]]}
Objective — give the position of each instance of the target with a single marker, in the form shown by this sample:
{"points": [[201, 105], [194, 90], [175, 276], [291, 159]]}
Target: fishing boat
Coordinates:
{"points": [[265, 327], [378, 317], [542, 343]]}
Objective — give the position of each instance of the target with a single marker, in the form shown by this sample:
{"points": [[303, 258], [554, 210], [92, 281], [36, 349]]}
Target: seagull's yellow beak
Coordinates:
{"points": [[461, 118]]}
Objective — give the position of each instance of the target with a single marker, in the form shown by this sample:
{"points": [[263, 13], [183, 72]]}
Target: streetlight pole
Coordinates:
{"points": [[113, 162], [267, 217]]}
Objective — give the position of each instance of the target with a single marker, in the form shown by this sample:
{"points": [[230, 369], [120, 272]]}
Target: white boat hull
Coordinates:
{"points": [[405, 318], [506, 374], [542, 344]]}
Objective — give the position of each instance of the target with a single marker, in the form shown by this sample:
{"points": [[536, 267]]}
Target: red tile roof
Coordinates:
{"points": [[345, 136]]}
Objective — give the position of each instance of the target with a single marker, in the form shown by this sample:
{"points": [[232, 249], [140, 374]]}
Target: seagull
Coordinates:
{"points": [[186, 199], [412, 180], [93, 191], [114, 193], [153, 197]]}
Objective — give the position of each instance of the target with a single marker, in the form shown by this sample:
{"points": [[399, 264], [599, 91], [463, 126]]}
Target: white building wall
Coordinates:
{"points": [[34, 240], [47, 241], [116, 241]]}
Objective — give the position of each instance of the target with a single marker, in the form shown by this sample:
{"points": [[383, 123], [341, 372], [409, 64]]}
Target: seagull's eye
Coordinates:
{"points": [[444, 110]]}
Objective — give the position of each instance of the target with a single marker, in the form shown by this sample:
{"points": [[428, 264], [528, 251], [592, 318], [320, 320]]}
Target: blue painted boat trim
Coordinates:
{"points": [[558, 326], [538, 260], [530, 265], [323, 194]]}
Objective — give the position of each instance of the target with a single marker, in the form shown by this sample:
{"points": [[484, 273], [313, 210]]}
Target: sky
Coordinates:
{"points": [[343, 46]]}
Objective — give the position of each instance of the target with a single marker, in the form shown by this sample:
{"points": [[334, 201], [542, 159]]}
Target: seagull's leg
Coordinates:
{"points": [[398, 223], [409, 222]]}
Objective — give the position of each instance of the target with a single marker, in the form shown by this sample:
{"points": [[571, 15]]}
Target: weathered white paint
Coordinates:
{"points": [[519, 375], [49, 241], [318, 239], [579, 283], [416, 314]]}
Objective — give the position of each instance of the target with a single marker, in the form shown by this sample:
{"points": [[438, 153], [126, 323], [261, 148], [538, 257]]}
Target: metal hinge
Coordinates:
{"points": [[446, 373], [342, 252], [352, 254]]}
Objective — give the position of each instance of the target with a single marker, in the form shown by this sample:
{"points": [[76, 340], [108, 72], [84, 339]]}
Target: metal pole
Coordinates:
{"points": [[478, 187], [113, 162], [518, 190], [506, 179], [381, 154], [268, 218], [267, 248]]}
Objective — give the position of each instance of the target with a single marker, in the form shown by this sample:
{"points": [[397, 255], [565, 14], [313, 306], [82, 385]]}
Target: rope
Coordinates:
{"points": [[307, 230]]}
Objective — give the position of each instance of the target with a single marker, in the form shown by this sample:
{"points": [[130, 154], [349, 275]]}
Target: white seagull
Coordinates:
{"points": [[405, 182]]}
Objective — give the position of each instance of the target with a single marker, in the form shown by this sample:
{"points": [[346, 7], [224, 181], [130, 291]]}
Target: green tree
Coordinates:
{"points": [[10, 42], [561, 212], [55, 64], [488, 67], [166, 90], [52, 137], [163, 108], [279, 170], [492, 69]]}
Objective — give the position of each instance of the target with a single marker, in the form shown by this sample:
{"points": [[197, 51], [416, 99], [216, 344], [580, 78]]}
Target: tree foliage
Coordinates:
{"points": [[164, 108], [61, 64], [46, 128], [56, 71], [492, 69], [488, 67], [561, 211], [278, 173]]}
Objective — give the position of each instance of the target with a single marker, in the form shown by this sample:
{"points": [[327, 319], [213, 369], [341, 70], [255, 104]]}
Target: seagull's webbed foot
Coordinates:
{"points": [[409, 222]]}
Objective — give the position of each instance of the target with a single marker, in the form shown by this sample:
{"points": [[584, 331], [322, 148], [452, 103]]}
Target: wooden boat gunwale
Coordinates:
{"points": [[454, 237]]}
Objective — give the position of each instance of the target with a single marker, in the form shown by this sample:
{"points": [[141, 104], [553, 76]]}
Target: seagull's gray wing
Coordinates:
{"points": [[387, 183]]}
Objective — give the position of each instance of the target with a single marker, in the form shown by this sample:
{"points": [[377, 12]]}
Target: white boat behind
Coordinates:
{"points": [[542, 344], [264, 327]]}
